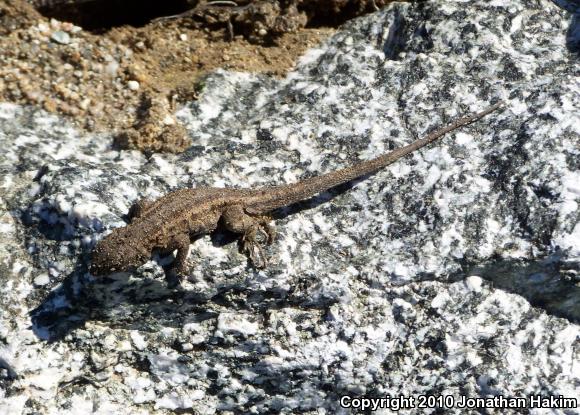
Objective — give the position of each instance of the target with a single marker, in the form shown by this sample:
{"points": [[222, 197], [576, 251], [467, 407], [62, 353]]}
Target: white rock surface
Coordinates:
{"points": [[453, 272]]}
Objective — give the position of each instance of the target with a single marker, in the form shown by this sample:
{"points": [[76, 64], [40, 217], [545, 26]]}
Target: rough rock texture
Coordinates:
{"points": [[454, 272]]}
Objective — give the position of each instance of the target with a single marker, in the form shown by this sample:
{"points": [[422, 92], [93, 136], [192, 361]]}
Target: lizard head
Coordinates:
{"points": [[116, 253]]}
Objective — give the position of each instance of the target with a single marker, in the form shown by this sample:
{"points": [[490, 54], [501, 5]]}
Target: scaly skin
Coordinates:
{"points": [[170, 222]]}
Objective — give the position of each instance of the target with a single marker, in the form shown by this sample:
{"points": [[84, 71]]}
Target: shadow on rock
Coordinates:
{"points": [[548, 283], [573, 34], [7, 373], [149, 304], [59, 313]]}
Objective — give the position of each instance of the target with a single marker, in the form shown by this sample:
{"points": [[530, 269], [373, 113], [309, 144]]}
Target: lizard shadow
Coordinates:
{"points": [[149, 306], [148, 303], [60, 311]]}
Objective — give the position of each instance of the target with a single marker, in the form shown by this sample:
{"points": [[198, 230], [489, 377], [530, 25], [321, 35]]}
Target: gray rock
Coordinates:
{"points": [[453, 272], [60, 37]]}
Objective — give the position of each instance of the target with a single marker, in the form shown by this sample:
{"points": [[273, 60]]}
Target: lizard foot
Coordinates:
{"points": [[173, 279], [267, 230], [253, 248], [255, 230], [175, 274], [178, 269]]}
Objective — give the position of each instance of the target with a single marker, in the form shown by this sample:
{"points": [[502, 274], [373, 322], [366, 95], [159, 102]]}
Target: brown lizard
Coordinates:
{"points": [[170, 222]]}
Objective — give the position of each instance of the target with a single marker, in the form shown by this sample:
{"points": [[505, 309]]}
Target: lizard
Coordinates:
{"points": [[170, 222]]}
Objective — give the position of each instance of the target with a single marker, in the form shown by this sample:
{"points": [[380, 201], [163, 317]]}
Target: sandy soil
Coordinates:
{"points": [[128, 78]]}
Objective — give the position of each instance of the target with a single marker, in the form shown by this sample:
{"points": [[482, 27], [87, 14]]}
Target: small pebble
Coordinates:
{"points": [[41, 279], [168, 120], [84, 104], [183, 37], [66, 26], [61, 37], [43, 28], [102, 376], [133, 85], [112, 68]]}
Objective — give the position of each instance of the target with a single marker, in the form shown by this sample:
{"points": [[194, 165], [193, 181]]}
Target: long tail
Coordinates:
{"points": [[270, 198]]}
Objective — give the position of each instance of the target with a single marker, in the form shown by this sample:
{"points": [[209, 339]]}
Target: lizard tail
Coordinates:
{"points": [[270, 198]]}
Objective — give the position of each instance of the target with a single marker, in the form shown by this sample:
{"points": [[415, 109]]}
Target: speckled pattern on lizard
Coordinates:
{"points": [[170, 222]]}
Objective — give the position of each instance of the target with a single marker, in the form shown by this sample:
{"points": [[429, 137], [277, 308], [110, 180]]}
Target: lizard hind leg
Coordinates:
{"points": [[235, 219]]}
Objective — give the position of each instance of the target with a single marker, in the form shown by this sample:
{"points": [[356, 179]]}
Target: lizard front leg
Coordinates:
{"points": [[139, 208], [178, 268], [235, 219]]}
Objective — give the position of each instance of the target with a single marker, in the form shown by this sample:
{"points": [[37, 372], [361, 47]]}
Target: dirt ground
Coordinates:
{"points": [[124, 69]]}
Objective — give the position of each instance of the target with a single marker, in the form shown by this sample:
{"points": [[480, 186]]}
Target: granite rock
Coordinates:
{"points": [[452, 272]]}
